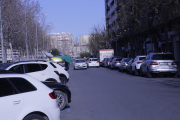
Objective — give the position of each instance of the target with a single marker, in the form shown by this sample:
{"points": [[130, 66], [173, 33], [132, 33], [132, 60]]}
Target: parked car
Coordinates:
{"points": [[106, 62], [41, 70], [93, 62], [129, 67], [137, 63], [115, 63], [110, 60], [123, 64], [80, 64], [62, 92], [159, 64], [25, 98], [103, 61]]}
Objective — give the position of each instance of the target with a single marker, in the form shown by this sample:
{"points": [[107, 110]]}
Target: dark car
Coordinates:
{"points": [[62, 92], [129, 67]]}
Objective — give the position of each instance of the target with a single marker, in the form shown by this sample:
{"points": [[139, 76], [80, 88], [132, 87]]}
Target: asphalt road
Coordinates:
{"points": [[105, 94]]}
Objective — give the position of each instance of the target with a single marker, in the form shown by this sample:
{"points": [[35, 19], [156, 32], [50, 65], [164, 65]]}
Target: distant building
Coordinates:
{"points": [[63, 42], [83, 43]]}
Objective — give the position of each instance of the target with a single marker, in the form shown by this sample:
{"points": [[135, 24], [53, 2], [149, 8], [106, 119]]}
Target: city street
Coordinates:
{"points": [[105, 94]]}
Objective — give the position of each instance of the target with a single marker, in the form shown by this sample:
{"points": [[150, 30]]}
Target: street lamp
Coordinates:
{"points": [[36, 33]]}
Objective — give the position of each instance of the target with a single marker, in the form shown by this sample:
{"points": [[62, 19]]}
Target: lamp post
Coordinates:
{"points": [[2, 40], [36, 34]]}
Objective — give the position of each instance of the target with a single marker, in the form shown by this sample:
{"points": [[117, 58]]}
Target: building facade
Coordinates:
{"points": [[83, 43], [136, 27], [63, 42]]}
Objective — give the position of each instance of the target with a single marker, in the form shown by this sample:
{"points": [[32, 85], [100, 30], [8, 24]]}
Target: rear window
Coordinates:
{"points": [[94, 59], [142, 58], [43, 66], [80, 61], [5, 88], [4, 66], [163, 57], [118, 59], [127, 60], [22, 85], [33, 67]]}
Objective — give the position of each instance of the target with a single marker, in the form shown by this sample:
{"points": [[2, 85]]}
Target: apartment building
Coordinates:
{"points": [[83, 43], [63, 42]]}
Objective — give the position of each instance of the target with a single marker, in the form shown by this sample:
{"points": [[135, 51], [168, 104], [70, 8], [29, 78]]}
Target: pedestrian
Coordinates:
{"points": [[67, 65]]}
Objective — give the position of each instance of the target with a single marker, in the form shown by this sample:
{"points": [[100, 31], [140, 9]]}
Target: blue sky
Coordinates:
{"points": [[74, 16]]}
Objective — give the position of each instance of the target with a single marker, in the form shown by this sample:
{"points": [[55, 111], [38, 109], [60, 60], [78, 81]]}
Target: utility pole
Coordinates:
{"points": [[2, 40], [27, 51]]}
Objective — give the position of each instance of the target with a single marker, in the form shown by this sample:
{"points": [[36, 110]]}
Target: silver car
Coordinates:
{"points": [[115, 63], [80, 64], [123, 64], [159, 64]]}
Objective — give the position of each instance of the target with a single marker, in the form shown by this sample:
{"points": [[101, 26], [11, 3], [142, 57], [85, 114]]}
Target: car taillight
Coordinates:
{"points": [[89, 62], [154, 63], [56, 72], [174, 63], [52, 95], [139, 62], [124, 64], [97, 61]]}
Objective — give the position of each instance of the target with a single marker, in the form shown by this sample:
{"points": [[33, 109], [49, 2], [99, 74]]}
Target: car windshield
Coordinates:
{"points": [[95, 59], [142, 58], [80, 61], [4, 66], [163, 57]]}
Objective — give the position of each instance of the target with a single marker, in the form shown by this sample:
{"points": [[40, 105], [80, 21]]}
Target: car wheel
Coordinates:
{"points": [[97, 66], [149, 74], [127, 71], [61, 99], [141, 73], [74, 68], [136, 72], [34, 117], [63, 79]]}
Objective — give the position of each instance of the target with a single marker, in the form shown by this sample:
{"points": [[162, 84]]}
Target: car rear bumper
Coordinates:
{"points": [[80, 67], [164, 71]]}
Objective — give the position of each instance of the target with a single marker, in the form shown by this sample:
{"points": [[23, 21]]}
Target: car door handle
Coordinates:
{"points": [[17, 102]]}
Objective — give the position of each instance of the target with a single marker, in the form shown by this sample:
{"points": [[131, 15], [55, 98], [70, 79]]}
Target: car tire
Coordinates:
{"points": [[34, 117], [127, 71], [141, 73], [63, 79], [74, 68], [61, 99], [136, 72], [148, 74]]}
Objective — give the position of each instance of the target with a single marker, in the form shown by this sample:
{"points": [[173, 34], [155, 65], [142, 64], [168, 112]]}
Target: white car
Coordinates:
{"points": [[41, 70], [22, 97], [137, 64], [80, 64], [92, 62]]}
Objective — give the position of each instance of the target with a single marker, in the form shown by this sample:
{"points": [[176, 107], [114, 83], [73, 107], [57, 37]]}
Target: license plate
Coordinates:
{"points": [[163, 63]]}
